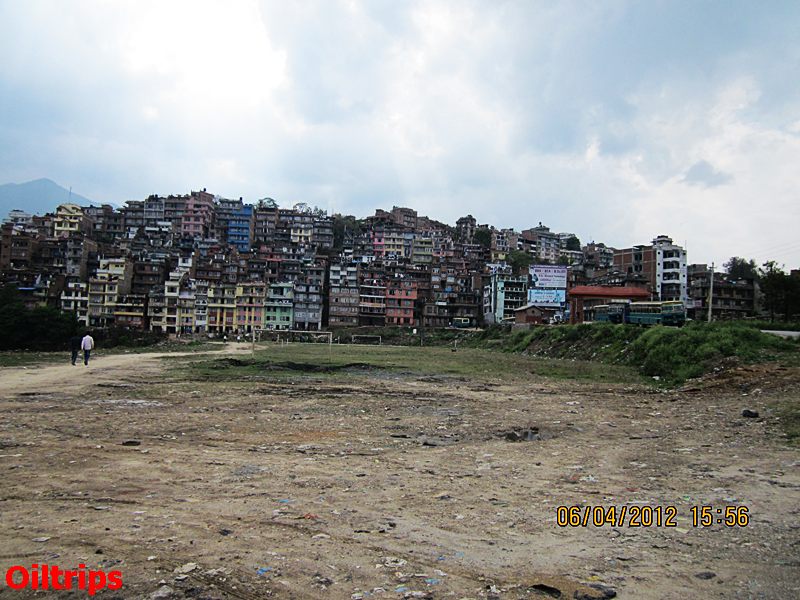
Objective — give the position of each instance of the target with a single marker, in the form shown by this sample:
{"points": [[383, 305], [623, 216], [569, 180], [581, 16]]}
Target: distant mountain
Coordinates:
{"points": [[36, 197]]}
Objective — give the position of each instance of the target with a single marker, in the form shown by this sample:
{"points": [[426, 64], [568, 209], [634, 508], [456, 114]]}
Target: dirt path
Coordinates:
{"points": [[102, 368]]}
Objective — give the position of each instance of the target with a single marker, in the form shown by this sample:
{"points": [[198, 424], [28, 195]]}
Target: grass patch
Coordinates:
{"points": [[19, 358], [352, 360], [672, 354], [788, 412]]}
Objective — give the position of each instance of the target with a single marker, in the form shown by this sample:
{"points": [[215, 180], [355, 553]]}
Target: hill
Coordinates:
{"points": [[36, 197]]}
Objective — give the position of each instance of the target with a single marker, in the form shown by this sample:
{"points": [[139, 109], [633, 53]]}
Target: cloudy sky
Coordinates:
{"points": [[615, 120]]}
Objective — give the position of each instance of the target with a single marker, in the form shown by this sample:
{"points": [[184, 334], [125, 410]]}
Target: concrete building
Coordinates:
{"points": [[279, 306], [75, 299], [343, 295], [250, 301], [731, 299], [70, 220], [17, 247], [198, 216], [221, 308], [504, 294], [401, 302], [372, 295], [545, 245], [113, 280], [662, 264]]}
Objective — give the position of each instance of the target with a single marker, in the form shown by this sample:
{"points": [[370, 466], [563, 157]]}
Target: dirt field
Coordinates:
{"points": [[366, 482]]}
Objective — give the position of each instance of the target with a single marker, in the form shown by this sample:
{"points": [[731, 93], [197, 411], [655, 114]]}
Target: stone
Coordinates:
{"points": [[705, 575]]}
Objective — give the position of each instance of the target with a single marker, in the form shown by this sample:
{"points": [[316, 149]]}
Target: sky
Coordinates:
{"points": [[617, 121]]}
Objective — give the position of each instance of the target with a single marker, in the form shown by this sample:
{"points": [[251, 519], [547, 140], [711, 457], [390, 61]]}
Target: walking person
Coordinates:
{"points": [[74, 347], [87, 345]]}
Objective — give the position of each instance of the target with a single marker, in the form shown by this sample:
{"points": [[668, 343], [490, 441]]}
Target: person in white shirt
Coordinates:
{"points": [[87, 345]]}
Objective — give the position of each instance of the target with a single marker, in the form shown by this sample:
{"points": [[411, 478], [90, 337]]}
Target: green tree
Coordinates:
{"points": [[781, 291], [741, 268], [573, 243], [40, 328], [266, 203], [345, 226], [519, 261], [483, 236]]}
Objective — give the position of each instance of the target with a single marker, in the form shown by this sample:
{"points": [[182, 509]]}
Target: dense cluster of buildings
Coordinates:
{"points": [[199, 263]]}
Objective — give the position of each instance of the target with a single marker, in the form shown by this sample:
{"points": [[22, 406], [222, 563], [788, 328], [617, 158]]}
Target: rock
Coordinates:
{"points": [[605, 593], [41, 539], [750, 414], [529, 434], [705, 575], [546, 590], [163, 592], [131, 443], [187, 568], [393, 561]]}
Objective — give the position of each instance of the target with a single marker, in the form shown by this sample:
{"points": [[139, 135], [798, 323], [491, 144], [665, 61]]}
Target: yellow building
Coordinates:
{"points": [[69, 219], [250, 300], [114, 278], [221, 309]]}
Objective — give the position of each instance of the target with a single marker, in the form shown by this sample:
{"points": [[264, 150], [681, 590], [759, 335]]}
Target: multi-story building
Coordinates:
{"points": [[250, 306], [149, 273], [240, 228], [265, 224], [198, 215], [133, 215], [70, 219], [153, 211], [504, 294], [322, 234], [174, 209], [465, 229], [279, 306], [662, 264], [17, 247], [401, 301], [75, 299], [78, 252], [372, 295], [731, 298], [545, 244], [221, 308], [309, 297], [343, 295], [113, 279], [404, 217], [130, 311]]}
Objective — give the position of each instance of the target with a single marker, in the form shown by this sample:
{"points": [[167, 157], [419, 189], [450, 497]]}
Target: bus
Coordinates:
{"points": [[610, 313], [641, 313], [656, 313]]}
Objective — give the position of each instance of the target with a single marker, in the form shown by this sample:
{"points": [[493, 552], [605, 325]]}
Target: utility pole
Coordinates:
{"points": [[711, 293]]}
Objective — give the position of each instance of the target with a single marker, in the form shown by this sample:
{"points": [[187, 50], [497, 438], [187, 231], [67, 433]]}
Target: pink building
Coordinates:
{"points": [[401, 300], [198, 217]]}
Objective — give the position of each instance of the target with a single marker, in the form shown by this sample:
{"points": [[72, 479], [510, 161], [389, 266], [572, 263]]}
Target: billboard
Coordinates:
{"points": [[548, 276], [547, 297]]}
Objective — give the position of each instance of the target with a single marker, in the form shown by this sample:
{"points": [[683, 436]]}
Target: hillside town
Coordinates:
{"points": [[202, 264]]}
